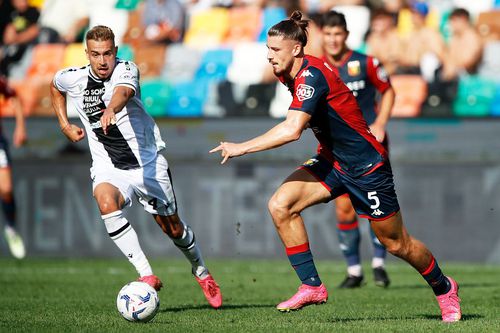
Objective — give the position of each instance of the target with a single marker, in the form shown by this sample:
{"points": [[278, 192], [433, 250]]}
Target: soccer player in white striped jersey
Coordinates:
{"points": [[124, 143]]}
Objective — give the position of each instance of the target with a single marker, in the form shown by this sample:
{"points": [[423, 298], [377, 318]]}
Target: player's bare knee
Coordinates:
{"points": [[345, 216], [279, 209], [107, 204], [6, 194]]}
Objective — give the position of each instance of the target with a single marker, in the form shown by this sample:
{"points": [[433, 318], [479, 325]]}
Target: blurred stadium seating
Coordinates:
{"points": [[218, 70]]}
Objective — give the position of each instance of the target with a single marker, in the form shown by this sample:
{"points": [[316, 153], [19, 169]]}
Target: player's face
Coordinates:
{"points": [[334, 40], [102, 57], [281, 54], [458, 25]]}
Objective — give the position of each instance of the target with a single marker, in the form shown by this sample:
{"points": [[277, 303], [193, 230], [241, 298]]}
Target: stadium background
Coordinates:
{"points": [[445, 151]]}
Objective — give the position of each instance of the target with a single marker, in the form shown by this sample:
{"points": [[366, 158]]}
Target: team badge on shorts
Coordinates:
{"points": [[310, 162]]}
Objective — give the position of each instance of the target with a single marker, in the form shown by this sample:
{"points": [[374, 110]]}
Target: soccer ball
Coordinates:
{"points": [[138, 301]]}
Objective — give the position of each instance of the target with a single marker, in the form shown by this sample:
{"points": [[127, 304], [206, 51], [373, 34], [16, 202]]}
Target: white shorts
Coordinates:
{"points": [[4, 153], [151, 185]]}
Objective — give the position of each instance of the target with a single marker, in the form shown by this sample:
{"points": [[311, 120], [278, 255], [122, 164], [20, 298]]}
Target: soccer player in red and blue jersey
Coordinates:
{"points": [[349, 160], [367, 79], [16, 244]]}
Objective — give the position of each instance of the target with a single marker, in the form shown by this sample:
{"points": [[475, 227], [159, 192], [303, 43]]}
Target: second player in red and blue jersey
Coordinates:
{"points": [[368, 81]]}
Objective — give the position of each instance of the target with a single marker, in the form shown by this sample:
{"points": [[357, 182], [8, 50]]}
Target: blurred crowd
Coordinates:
{"points": [[219, 46]]}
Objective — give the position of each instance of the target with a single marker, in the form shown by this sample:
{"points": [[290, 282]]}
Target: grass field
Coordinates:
{"points": [[79, 296]]}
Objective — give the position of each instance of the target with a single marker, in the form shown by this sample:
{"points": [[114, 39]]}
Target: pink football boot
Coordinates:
{"points": [[450, 303], [211, 291], [305, 296], [152, 280]]}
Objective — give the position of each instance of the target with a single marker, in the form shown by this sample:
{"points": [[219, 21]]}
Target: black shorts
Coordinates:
{"points": [[372, 195]]}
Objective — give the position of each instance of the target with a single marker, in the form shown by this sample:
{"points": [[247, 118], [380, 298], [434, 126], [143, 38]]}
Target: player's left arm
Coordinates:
{"points": [[287, 131], [379, 78], [19, 136]]}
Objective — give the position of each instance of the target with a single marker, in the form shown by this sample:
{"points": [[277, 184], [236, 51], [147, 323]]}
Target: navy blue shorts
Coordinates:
{"points": [[372, 195], [4, 153]]}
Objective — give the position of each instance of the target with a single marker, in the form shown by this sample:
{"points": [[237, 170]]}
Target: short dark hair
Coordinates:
{"points": [[294, 28], [460, 12], [100, 33], [380, 13], [334, 19]]}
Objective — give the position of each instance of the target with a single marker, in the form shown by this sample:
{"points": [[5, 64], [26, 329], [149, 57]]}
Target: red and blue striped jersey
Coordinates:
{"points": [[336, 119], [6, 92], [364, 75]]}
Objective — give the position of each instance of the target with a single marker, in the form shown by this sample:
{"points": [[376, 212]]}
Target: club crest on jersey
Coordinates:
{"points": [[306, 73], [353, 68], [304, 92]]}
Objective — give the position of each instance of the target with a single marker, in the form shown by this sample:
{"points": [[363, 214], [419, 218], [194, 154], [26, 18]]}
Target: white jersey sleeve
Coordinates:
{"points": [[66, 79], [127, 75]]}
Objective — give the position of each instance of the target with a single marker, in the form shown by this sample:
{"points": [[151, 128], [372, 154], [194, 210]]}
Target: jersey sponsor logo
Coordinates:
{"points": [[354, 68], [304, 92], [128, 77], [306, 73], [377, 212], [92, 99], [356, 85]]}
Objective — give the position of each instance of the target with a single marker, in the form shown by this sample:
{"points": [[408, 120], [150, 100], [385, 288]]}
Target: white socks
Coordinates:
{"points": [[355, 270], [187, 244], [125, 237], [378, 262]]}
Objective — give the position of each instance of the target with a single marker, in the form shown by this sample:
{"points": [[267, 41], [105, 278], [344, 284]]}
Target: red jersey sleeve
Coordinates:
{"points": [[377, 74]]}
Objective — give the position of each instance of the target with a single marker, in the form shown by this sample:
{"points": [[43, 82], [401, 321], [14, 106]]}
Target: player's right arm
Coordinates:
{"points": [[287, 131], [71, 131]]}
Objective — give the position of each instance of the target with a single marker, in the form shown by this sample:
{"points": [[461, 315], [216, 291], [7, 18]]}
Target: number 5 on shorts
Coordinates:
{"points": [[373, 196]]}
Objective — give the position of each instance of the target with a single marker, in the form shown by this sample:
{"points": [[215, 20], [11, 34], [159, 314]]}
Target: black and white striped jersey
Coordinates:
{"points": [[130, 143]]}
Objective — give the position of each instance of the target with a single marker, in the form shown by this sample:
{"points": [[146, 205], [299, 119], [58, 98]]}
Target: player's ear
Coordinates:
{"points": [[115, 50], [297, 49]]}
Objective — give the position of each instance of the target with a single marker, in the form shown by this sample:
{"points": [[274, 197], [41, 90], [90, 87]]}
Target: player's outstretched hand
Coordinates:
{"points": [[108, 118], [228, 150], [73, 132]]}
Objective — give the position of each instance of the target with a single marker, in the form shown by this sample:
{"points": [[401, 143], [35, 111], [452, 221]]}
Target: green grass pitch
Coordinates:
{"points": [[41, 295]]}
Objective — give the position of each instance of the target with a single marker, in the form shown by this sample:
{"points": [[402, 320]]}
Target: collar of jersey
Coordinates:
{"points": [[95, 78], [305, 62]]}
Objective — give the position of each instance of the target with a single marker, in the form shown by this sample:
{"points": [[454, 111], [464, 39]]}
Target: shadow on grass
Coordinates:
{"points": [[224, 307], [420, 316], [465, 317], [423, 286]]}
